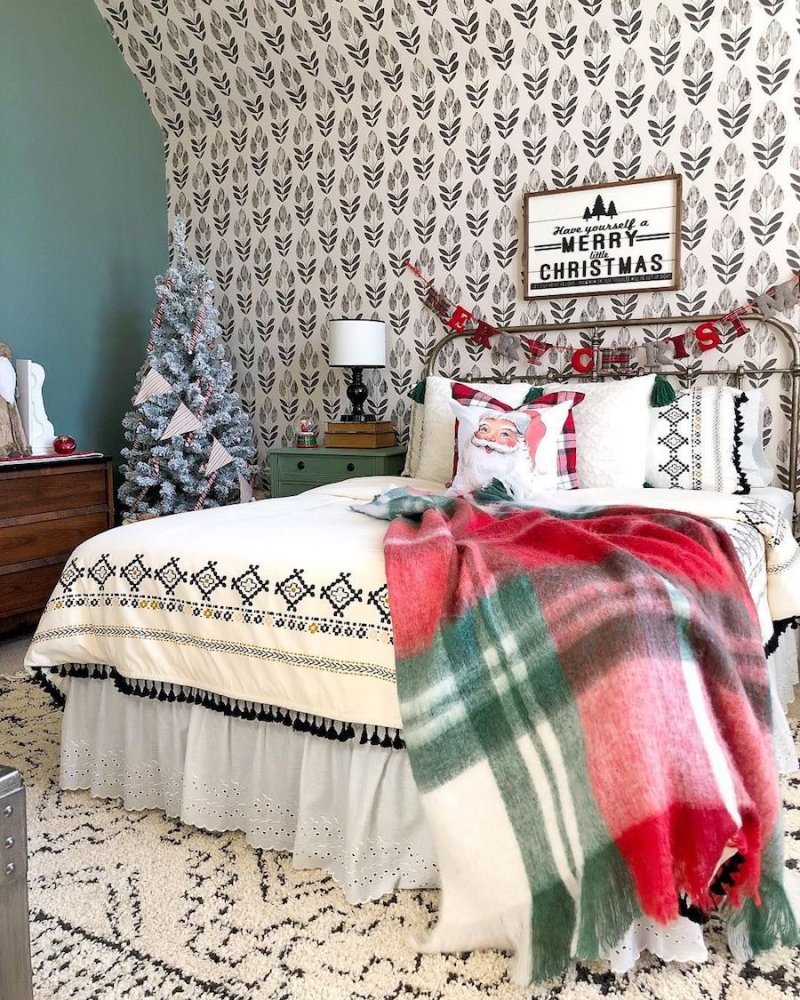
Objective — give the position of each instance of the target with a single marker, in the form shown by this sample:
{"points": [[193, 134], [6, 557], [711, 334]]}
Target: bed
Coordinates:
{"points": [[235, 668]]}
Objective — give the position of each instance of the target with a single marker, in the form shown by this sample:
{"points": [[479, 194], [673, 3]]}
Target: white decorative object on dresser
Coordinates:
{"points": [[30, 400]]}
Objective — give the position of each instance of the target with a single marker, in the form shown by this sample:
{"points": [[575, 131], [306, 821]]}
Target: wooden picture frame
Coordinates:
{"points": [[591, 240]]}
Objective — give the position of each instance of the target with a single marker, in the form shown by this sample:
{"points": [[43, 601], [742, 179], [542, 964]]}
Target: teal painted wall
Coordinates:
{"points": [[83, 218]]}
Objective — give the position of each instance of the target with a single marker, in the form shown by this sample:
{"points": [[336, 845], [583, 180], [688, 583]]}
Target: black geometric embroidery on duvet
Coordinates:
{"points": [[135, 573], [379, 599], [70, 575], [207, 579], [170, 575], [294, 589], [341, 594], [101, 571], [249, 585]]}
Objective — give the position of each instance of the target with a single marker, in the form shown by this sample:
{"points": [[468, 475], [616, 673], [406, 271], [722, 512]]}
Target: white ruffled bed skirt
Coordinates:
{"points": [[349, 808]]}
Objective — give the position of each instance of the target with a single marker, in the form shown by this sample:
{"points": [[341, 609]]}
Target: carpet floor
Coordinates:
{"points": [[134, 905]]}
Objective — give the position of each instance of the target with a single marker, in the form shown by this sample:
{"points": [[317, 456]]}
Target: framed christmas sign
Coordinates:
{"points": [[603, 238]]}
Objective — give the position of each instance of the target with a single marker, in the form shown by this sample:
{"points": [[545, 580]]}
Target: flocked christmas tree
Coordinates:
{"points": [[190, 443]]}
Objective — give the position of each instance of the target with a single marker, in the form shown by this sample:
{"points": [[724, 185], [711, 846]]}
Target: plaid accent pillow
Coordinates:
{"points": [[560, 469]]}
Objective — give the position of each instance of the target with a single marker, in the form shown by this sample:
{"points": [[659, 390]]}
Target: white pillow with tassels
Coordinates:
{"points": [[706, 440]]}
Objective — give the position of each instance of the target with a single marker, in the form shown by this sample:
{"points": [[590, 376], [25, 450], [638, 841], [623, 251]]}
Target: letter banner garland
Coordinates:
{"points": [[708, 335], [183, 421]]}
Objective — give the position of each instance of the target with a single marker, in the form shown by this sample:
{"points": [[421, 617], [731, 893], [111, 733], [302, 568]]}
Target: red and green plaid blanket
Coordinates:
{"points": [[586, 707]]}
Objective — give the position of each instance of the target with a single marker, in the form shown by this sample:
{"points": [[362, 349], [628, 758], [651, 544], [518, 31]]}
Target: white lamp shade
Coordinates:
{"points": [[357, 343]]}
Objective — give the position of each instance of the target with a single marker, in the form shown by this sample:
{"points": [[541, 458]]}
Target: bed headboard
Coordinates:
{"points": [[593, 340]]}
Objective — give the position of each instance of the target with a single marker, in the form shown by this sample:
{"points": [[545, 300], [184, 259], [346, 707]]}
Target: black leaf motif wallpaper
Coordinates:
{"points": [[315, 146]]}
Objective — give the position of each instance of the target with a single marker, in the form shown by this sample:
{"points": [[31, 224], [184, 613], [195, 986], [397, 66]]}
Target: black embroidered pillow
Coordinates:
{"points": [[696, 442]]}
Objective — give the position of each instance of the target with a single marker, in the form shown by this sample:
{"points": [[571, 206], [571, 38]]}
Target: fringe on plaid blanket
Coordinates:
{"points": [[586, 708]]}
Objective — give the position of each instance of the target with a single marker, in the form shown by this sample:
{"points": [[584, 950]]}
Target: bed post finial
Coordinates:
{"points": [[597, 340]]}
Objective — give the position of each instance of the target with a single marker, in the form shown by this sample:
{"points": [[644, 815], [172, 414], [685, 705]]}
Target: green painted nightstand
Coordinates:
{"points": [[295, 470]]}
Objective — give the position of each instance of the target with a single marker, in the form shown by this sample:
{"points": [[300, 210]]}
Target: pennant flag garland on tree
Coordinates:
{"points": [[218, 458], [183, 421], [245, 490], [153, 384], [169, 443]]}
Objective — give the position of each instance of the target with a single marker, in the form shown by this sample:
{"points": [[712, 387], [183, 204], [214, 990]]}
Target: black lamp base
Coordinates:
{"points": [[357, 393]]}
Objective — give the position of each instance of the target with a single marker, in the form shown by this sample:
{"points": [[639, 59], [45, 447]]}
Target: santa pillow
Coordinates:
{"points": [[529, 449]]}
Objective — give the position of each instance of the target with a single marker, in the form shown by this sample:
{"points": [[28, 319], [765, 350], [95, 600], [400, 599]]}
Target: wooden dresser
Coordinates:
{"points": [[46, 510]]}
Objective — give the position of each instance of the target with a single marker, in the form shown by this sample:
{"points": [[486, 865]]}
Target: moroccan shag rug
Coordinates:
{"points": [[135, 905]]}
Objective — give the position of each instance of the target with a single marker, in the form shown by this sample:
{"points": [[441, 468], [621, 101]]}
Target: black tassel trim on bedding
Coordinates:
{"points": [[691, 912], [302, 722], [778, 628], [724, 879], [44, 682], [251, 711], [738, 427]]}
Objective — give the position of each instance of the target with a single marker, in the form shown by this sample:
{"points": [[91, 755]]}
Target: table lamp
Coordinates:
{"points": [[357, 344]]}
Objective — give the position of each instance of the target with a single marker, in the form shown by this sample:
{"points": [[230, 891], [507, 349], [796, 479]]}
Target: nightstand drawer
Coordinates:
{"points": [[325, 468], [47, 508], [290, 488], [64, 489], [295, 470]]}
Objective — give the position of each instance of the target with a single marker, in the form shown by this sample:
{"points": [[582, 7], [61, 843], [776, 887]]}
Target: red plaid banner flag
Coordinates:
{"points": [[616, 357], [482, 332], [535, 349]]}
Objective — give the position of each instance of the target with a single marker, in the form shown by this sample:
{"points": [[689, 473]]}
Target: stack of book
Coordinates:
{"points": [[371, 434]]}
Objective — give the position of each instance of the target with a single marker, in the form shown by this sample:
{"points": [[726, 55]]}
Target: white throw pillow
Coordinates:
{"points": [[611, 431], [439, 422], [414, 439], [698, 441]]}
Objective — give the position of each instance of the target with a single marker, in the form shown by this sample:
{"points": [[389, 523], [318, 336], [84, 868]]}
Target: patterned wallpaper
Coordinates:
{"points": [[315, 145]]}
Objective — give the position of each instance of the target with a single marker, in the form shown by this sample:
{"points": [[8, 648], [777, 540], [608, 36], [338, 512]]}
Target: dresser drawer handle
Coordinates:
{"points": [[351, 467], [301, 465]]}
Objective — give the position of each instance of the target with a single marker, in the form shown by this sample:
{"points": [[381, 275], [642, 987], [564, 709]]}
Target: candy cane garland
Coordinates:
{"points": [[157, 317], [204, 402], [198, 324], [206, 490]]}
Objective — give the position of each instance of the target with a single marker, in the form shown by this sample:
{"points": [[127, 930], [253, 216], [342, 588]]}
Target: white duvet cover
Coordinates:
{"points": [[284, 602]]}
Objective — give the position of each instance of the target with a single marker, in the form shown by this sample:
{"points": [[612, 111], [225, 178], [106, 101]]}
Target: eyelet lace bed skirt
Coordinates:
{"points": [[286, 790], [349, 808]]}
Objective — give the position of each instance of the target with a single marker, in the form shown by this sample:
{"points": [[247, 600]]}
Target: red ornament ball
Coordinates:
{"points": [[64, 444]]}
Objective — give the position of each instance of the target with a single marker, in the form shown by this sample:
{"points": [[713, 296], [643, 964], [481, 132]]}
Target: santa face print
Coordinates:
{"points": [[497, 434]]}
